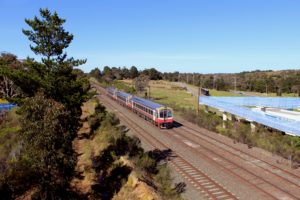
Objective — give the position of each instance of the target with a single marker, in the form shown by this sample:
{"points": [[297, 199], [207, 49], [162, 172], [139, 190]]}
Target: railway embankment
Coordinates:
{"points": [[113, 165]]}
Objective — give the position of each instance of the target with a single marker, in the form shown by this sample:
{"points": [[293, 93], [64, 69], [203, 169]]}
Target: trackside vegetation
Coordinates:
{"points": [[117, 165]]}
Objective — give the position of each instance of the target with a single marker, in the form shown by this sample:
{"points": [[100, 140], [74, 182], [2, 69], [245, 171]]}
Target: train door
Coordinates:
{"points": [[153, 115]]}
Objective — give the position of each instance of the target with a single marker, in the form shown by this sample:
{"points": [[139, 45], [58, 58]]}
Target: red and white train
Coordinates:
{"points": [[158, 114]]}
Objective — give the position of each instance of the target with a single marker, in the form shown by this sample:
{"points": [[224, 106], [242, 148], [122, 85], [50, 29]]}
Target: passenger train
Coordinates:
{"points": [[157, 114]]}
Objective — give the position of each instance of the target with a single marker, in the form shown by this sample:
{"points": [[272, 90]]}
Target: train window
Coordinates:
{"points": [[162, 114], [169, 113], [165, 114]]}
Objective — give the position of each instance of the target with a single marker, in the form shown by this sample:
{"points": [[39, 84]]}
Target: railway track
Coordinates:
{"points": [[210, 187], [200, 180], [233, 167], [288, 176]]}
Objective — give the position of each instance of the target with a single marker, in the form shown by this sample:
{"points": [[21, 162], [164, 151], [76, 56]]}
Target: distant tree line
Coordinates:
{"points": [[109, 74], [284, 81]]}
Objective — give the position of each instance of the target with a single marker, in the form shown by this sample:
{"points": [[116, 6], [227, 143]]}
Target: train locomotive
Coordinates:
{"points": [[157, 114]]}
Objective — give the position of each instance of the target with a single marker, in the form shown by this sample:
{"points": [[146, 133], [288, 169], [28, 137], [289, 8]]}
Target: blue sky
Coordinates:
{"points": [[205, 36]]}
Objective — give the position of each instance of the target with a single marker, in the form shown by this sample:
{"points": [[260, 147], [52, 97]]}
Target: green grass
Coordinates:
{"points": [[214, 92], [271, 94], [119, 84], [165, 93], [173, 97]]}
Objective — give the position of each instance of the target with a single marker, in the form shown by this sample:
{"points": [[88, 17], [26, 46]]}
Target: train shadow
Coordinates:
{"points": [[161, 155], [177, 124]]}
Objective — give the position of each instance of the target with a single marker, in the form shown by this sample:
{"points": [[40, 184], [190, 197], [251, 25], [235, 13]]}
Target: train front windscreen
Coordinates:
{"points": [[165, 114]]}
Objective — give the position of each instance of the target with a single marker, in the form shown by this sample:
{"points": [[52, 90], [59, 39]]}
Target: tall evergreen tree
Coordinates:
{"points": [[50, 39]]}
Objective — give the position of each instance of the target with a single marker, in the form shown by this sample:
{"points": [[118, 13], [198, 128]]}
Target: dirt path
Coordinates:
{"points": [[80, 146]]}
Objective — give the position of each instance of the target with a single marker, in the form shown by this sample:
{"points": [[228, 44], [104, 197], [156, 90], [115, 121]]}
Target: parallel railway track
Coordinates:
{"points": [[206, 184], [236, 169], [292, 178], [201, 181]]}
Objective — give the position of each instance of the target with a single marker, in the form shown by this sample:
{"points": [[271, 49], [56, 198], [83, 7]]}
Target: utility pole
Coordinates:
{"points": [[198, 100], [194, 78], [187, 78], [235, 83], [291, 156], [149, 92], [214, 82]]}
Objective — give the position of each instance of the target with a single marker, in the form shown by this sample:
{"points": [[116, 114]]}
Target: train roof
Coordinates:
{"points": [[110, 88], [147, 103], [123, 94]]}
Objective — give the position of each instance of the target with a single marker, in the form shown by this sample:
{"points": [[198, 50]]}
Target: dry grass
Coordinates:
{"points": [[84, 149], [135, 189], [88, 108]]}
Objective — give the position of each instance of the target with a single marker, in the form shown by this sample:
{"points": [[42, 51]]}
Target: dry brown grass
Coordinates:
{"points": [[135, 190], [88, 108], [84, 150]]}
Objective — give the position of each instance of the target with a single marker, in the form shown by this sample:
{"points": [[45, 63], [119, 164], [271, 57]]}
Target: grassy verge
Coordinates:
{"points": [[214, 92], [271, 94], [166, 93]]}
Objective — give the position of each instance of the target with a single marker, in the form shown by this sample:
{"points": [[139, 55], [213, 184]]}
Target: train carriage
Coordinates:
{"points": [[111, 92], [158, 114], [123, 98]]}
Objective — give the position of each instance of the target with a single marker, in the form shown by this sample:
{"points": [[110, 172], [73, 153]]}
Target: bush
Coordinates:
{"points": [[146, 163]]}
